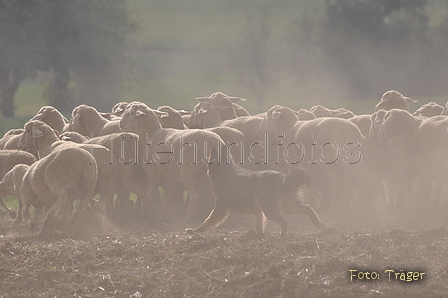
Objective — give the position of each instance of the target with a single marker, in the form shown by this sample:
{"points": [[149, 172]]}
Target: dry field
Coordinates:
{"points": [[95, 259]]}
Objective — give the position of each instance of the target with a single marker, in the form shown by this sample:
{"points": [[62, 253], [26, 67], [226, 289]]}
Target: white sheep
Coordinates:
{"points": [[329, 148], [176, 155], [11, 139], [131, 178], [393, 99], [87, 121], [52, 117], [43, 138], [427, 138], [429, 109], [226, 105], [8, 159], [63, 176]]}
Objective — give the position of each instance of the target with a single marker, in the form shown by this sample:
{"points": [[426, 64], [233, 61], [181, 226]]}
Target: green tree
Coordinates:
{"points": [[86, 52], [82, 43], [21, 48]]}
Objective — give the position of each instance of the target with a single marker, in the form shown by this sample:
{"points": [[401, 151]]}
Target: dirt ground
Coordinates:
{"points": [[98, 259]]}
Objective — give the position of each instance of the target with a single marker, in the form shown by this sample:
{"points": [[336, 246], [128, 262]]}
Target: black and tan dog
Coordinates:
{"points": [[260, 193]]}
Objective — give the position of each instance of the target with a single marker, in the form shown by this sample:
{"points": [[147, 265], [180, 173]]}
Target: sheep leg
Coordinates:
{"points": [[7, 209], [82, 203], [259, 220], [18, 218], [191, 207], [62, 199]]}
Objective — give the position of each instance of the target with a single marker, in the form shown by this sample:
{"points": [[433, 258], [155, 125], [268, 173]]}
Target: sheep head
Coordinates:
{"points": [[82, 114], [279, 119], [394, 121], [16, 175], [376, 120], [223, 103], [138, 117], [119, 108], [204, 115], [429, 110], [171, 118], [35, 130], [393, 99], [304, 114]]}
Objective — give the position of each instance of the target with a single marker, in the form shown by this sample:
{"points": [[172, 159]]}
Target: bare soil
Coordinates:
{"points": [[98, 259]]}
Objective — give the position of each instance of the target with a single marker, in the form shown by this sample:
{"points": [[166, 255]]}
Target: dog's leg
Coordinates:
{"points": [[275, 215], [312, 215], [216, 217], [259, 220]]}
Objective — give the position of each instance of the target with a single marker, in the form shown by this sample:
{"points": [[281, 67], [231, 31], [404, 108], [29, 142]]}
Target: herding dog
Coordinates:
{"points": [[260, 193]]}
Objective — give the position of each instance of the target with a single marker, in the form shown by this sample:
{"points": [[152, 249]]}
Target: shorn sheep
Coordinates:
{"points": [[63, 176]]}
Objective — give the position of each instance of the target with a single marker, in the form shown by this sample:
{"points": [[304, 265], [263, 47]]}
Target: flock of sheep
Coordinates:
{"points": [[352, 160]]}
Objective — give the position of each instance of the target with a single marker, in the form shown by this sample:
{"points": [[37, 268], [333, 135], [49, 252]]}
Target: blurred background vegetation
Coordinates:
{"points": [[298, 53]]}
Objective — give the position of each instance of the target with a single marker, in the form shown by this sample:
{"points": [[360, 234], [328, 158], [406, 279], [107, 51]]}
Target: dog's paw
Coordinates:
{"points": [[190, 231]]}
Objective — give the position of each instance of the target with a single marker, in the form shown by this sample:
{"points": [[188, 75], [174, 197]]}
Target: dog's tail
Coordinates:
{"points": [[294, 182]]}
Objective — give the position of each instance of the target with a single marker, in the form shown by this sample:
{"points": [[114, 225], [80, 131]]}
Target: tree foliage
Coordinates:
{"points": [[82, 43]]}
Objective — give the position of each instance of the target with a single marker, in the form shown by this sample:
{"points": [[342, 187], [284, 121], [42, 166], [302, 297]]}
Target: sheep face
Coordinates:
{"points": [[172, 118], [204, 115], [429, 110], [16, 174], [394, 100], [278, 120], [389, 127], [77, 122], [303, 114], [29, 135], [48, 112], [137, 114], [119, 108], [376, 120]]}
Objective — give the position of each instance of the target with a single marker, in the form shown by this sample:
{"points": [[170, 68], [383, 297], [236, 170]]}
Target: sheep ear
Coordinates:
{"points": [[183, 112], [66, 138], [7, 176], [106, 115], [410, 100], [236, 99], [37, 133], [37, 117], [139, 113], [203, 98], [276, 114], [202, 111], [160, 113], [76, 117], [164, 116], [119, 110]]}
